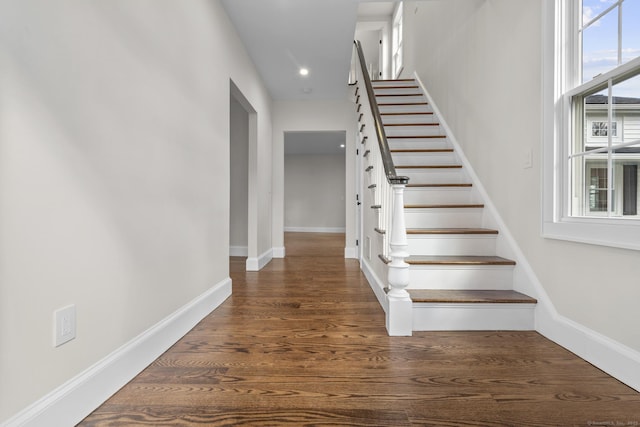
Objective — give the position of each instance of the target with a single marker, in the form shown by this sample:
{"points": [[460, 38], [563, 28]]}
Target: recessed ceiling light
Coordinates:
{"points": [[341, 145], [304, 71]]}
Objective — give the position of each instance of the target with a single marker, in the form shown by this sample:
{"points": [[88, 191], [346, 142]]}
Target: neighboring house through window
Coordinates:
{"points": [[592, 121]]}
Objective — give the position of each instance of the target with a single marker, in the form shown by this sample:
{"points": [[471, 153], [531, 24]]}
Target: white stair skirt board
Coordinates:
{"points": [[473, 317], [609, 355], [476, 277], [256, 264], [238, 251], [74, 400], [454, 244], [376, 284], [315, 229]]}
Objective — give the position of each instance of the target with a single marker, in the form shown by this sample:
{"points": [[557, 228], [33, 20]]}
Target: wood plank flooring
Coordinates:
{"points": [[303, 342]]}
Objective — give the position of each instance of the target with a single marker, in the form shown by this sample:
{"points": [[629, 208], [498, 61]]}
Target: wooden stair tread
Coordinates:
{"points": [[470, 296], [397, 87], [400, 104], [412, 124], [458, 260], [392, 80], [451, 231], [415, 185], [414, 136], [408, 113], [445, 206], [428, 166], [396, 94], [422, 150]]}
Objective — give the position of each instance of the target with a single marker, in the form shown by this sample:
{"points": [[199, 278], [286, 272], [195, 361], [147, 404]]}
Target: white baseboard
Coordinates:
{"points": [[238, 251], [316, 229], [256, 264], [351, 253], [68, 404], [279, 252], [614, 358]]}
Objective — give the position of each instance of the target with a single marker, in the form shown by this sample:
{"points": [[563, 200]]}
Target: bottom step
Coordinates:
{"points": [[470, 296], [466, 310]]}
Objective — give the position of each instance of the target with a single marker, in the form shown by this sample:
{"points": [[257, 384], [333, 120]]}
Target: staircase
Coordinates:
{"points": [[457, 280]]}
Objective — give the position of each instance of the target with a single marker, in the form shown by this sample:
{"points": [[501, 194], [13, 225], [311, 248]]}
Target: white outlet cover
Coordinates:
{"points": [[64, 325]]}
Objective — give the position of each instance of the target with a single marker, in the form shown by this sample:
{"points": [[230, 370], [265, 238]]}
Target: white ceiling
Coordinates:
{"points": [[283, 35]]}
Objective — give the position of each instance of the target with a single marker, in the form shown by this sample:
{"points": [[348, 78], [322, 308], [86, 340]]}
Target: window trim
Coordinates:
{"points": [[557, 59]]}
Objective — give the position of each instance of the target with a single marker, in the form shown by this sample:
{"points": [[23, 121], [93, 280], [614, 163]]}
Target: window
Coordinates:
{"points": [[602, 129], [396, 42], [592, 121]]}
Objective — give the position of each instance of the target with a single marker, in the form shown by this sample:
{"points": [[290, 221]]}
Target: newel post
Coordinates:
{"points": [[399, 313]]}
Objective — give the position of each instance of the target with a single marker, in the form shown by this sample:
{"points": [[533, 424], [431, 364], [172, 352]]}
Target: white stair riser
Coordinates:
{"points": [[400, 99], [454, 245], [438, 196], [459, 317], [438, 158], [409, 118], [443, 218], [418, 143], [392, 131], [403, 108], [393, 90], [434, 176], [479, 277], [383, 83]]}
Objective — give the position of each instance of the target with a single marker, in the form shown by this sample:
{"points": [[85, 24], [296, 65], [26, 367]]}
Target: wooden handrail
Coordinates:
{"points": [[387, 161]]}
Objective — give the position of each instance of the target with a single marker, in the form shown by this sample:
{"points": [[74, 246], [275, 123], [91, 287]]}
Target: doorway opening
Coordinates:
{"points": [[243, 219], [314, 182]]}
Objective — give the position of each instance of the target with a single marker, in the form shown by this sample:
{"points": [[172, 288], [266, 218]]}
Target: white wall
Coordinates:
{"points": [[336, 115], [314, 191], [114, 174], [239, 175], [482, 61]]}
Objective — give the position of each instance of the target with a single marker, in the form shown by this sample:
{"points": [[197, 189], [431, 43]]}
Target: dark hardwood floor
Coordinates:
{"points": [[303, 342]]}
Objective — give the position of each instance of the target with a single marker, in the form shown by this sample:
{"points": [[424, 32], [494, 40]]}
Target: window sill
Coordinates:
{"points": [[622, 234]]}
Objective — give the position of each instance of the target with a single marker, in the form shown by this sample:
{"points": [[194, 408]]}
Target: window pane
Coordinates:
{"points": [[630, 30], [591, 185], [599, 40]]}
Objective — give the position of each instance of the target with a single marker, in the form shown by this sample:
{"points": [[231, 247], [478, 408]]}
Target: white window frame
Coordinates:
{"points": [[397, 49], [558, 76]]}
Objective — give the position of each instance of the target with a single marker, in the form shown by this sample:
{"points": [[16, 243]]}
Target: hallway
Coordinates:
{"points": [[303, 342]]}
